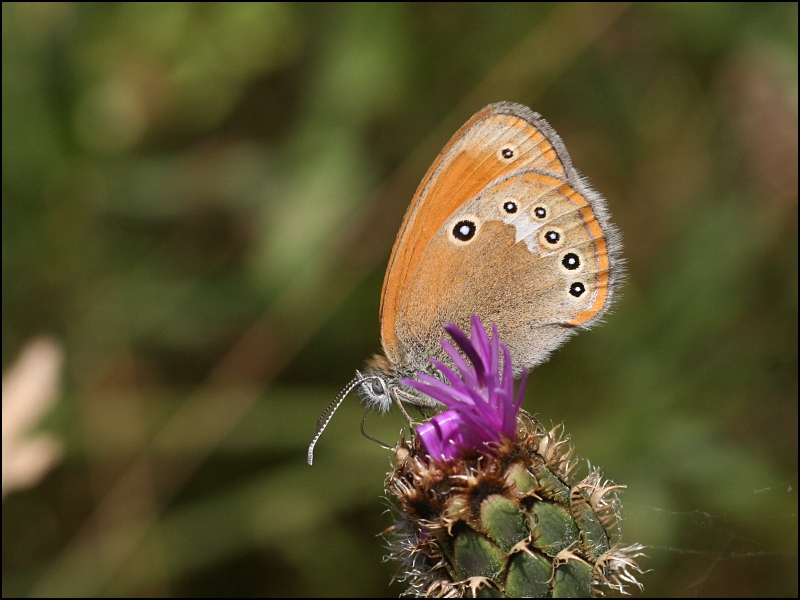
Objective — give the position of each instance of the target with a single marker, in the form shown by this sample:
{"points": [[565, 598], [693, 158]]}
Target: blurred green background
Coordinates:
{"points": [[199, 201]]}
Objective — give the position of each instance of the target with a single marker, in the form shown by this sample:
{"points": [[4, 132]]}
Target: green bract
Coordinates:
{"points": [[509, 523]]}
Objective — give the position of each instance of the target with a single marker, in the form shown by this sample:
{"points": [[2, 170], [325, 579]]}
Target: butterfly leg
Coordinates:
{"points": [[424, 412], [401, 397], [411, 422]]}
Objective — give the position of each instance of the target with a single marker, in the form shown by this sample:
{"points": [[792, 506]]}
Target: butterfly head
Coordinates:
{"points": [[376, 390]]}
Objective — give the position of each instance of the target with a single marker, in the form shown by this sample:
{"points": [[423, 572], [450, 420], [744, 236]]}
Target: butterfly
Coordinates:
{"points": [[502, 227]]}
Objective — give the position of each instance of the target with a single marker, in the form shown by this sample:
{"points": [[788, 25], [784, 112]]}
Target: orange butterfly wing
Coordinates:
{"points": [[502, 141]]}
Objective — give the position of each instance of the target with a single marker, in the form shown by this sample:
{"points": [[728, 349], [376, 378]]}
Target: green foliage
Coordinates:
{"points": [[199, 201]]}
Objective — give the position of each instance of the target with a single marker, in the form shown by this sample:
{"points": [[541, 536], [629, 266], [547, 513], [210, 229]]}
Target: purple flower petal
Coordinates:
{"points": [[467, 374], [463, 342], [482, 407], [480, 339], [456, 381], [437, 434], [439, 391]]}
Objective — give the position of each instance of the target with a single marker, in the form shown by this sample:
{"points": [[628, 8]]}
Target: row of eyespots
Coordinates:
{"points": [[553, 237], [465, 230], [538, 212]]}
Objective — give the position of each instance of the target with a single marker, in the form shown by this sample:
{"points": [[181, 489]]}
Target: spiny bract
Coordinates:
{"points": [[509, 523]]}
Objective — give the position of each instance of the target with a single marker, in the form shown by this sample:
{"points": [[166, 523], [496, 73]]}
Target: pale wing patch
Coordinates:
{"points": [[525, 195], [524, 230]]}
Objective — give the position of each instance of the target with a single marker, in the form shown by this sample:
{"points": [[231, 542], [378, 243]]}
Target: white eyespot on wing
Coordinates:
{"points": [[508, 152], [463, 229], [571, 262]]}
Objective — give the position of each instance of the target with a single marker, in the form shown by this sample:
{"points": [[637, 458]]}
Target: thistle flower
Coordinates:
{"points": [[488, 503], [482, 408]]}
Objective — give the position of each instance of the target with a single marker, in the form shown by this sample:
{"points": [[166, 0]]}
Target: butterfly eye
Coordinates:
{"points": [[507, 153], [377, 387], [510, 207], [577, 289], [539, 212]]}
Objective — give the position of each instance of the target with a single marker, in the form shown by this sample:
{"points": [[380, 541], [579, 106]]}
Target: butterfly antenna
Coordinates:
{"points": [[327, 414], [339, 397]]}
